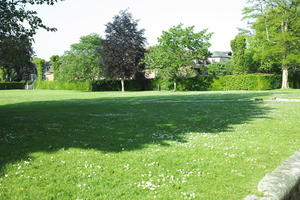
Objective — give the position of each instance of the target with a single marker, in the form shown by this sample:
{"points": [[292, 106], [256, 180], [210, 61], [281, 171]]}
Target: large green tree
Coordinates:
{"points": [[18, 25], [123, 48], [177, 50], [276, 25], [81, 62]]}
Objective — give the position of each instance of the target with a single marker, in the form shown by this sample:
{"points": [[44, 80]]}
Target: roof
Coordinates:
{"points": [[221, 54]]}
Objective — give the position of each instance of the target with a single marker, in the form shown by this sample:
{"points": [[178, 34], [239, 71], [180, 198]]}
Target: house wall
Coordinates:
{"points": [[218, 60], [49, 77], [150, 74], [213, 60]]}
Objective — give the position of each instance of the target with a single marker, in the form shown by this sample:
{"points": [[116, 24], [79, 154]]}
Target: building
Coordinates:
{"points": [[219, 57], [48, 72], [151, 74], [49, 76]]}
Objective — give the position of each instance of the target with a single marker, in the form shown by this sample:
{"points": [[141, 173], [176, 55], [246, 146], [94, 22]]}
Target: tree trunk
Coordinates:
{"points": [[267, 30], [175, 86], [285, 72], [285, 76], [122, 84]]}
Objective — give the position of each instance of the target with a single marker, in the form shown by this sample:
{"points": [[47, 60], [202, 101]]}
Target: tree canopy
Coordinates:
{"points": [[18, 25], [177, 50], [19, 22], [81, 62], [15, 58], [276, 37], [238, 46], [123, 48]]}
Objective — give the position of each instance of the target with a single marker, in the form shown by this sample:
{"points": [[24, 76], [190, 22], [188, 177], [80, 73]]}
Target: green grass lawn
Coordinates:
{"points": [[142, 145]]}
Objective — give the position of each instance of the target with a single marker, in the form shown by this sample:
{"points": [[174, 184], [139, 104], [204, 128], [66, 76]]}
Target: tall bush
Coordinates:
{"points": [[39, 64]]}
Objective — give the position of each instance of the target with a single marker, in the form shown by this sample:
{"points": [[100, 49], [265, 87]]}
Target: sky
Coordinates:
{"points": [[76, 18]]}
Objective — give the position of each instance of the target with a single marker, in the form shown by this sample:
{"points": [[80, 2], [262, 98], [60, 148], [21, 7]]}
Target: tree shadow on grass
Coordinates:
{"points": [[115, 124]]}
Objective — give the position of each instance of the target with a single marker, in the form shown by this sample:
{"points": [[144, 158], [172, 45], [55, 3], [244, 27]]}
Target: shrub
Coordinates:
{"points": [[11, 85], [220, 69], [39, 65]]}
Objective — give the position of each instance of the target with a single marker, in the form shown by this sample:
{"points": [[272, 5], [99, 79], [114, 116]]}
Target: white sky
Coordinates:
{"points": [[75, 18]]}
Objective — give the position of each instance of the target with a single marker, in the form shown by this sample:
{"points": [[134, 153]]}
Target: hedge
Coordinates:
{"points": [[99, 85], [12, 85], [200, 83], [246, 82], [227, 82], [60, 85], [115, 85]]}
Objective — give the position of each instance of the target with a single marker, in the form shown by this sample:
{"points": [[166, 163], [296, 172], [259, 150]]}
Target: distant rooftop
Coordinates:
{"points": [[221, 54]]}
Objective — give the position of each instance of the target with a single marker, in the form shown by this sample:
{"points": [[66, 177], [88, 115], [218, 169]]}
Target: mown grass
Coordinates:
{"points": [[142, 145]]}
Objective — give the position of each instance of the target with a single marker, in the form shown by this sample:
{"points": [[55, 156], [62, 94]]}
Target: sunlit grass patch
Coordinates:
{"points": [[106, 145]]}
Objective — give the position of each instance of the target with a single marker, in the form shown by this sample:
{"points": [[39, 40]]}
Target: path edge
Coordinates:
{"points": [[281, 184]]}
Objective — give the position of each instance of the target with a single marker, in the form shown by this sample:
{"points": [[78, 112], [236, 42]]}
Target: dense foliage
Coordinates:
{"points": [[15, 58], [274, 40], [220, 69], [81, 62], [14, 14], [294, 79], [18, 25], [123, 48], [238, 47], [177, 51], [40, 68]]}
